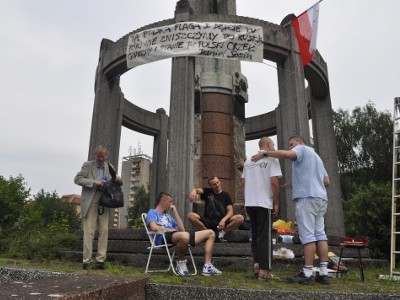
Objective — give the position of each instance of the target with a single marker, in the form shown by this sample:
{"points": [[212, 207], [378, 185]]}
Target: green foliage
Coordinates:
{"points": [[364, 143], [40, 244], [56, 214], [141, 204], [45, 227], [13, 194], [365, 152], [138, 223], [368, 215]]}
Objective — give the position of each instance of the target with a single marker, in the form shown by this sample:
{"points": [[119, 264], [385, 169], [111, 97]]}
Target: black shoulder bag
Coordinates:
{"points": [[111, 193]]}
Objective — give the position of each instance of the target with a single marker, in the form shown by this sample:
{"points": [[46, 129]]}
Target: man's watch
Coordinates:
{"points": [[265, 153]]}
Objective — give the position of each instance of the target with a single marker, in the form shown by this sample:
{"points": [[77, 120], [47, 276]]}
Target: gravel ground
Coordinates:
{"points": [[8, 274]]}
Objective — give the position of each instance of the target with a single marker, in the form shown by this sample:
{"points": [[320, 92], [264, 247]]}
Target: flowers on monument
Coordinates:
{"points": [[306, 28]]}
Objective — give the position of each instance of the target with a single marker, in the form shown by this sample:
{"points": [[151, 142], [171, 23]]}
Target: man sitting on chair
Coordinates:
{"points": [[165, 217]]}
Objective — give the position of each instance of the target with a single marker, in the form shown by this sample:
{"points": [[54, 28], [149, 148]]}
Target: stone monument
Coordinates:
{"points": [[206, 129]]}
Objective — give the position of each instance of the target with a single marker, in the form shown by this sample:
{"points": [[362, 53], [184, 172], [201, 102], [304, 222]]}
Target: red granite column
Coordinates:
{"points": [[217, 140]]}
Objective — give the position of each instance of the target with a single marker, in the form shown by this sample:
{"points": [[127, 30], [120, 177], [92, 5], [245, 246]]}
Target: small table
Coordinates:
{"points": [[353, 243]]}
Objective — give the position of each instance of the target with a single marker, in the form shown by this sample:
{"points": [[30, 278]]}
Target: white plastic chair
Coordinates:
{"points": [[167, 247]]}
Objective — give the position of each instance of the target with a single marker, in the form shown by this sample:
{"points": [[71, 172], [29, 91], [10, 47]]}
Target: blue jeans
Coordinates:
{"points": [[310, 214]]}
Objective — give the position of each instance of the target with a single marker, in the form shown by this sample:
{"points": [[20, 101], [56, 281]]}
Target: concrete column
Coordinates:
{"points": [[107, 115], [107, 112], [217, 140], [222, 141], [181, 133], [325, 146], [159, 164], [214, 146], [285, 191], [292, 115]]}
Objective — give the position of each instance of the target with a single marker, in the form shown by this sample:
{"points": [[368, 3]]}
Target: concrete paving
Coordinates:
{"points": [[37, 284], [180, 292]]}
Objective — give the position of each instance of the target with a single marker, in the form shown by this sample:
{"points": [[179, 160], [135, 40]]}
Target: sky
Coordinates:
{"points": [[49, 53]]}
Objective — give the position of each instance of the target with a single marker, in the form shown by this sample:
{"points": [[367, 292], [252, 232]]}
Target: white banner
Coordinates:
{"points": [[213, 40]]}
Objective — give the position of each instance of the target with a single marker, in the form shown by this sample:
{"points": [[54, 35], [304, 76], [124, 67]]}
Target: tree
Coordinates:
{"points": [[49, 210], [364, 143], [368, 214], [141, 204], [45, 227], [365, 153], [13, 194]]}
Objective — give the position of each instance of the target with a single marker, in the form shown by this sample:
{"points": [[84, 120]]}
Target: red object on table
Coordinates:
{"points": [[355, 243]]}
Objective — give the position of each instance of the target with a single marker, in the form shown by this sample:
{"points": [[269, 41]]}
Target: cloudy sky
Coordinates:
{"points": [[49, 53]]}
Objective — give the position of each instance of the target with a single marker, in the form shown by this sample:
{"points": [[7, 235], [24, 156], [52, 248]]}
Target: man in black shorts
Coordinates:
{"points": [[218, 210]]}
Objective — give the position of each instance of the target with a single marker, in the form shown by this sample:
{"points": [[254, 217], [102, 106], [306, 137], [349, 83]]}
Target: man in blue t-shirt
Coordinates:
{"points": [[218, 210], [164, 217], [309, 182]]}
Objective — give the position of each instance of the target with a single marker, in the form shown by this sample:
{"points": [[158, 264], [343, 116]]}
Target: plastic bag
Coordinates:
{"points": [[282, 226], [283, 253]]}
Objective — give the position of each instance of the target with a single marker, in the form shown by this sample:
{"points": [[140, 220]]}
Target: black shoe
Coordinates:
{"points": [[99, 266], [301, 278], [322, 279], [86, 266]]}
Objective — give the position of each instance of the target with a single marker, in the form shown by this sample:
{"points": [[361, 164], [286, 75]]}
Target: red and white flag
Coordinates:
{"points": [[306, 28]]}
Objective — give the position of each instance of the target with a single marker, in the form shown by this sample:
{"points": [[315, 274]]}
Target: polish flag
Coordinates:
{"points": [[306, 28]]}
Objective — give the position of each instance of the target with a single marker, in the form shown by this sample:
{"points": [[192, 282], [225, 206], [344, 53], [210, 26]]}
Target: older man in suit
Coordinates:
{"points": [[91, 177]]}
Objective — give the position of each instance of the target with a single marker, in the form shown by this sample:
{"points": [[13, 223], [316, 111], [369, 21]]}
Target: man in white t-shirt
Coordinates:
{"points": [[260, 185]]}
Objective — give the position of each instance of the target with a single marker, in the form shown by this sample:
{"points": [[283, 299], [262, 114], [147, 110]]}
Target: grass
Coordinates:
{"points": [[231, 277]]}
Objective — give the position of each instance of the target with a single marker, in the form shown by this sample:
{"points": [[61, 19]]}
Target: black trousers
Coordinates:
{"points": [[261, 243]]}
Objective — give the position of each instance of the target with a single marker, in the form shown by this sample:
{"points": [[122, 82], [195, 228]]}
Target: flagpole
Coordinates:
{"points": [[303, 12]]}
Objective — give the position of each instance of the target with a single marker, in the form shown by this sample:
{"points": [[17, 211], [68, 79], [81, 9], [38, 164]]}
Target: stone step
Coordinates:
{"points": [[130, 247], [241, 263], [220, 249], [139, 260], [136, 241]]}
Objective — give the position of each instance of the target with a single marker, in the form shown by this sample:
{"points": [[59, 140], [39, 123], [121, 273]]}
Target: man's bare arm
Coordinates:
{"points": [[285, 154], [326, 181], [193, 196]]}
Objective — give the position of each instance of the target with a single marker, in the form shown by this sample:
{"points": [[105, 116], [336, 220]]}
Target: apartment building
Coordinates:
{"points": [[136, 172]]}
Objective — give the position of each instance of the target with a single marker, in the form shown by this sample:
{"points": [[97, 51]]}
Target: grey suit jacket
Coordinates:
{"points": [[85, 178]]}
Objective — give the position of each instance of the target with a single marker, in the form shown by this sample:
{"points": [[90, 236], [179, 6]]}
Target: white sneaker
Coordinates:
{"points": [[181, 268], [210, 270]]}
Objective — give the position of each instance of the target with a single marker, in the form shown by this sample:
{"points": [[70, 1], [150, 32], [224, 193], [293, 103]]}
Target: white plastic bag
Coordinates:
{"points": [[283, 253]]}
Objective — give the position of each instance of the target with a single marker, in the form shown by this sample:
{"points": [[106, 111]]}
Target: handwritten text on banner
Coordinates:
{"points": [[214, 40]]}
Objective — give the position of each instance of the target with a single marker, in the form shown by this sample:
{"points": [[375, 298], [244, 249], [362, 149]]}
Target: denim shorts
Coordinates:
{"points": [[310, 214]]}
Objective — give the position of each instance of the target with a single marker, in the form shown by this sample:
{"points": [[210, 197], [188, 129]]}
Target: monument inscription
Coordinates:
{"points": [[217, 40]]}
